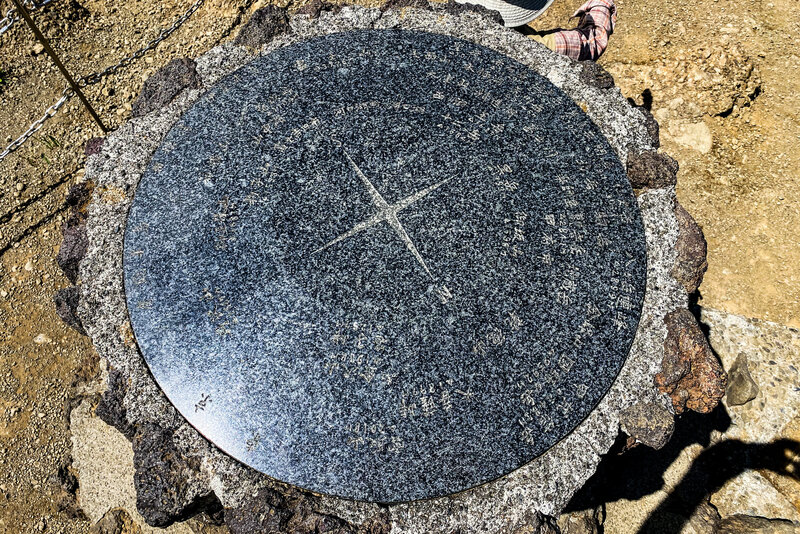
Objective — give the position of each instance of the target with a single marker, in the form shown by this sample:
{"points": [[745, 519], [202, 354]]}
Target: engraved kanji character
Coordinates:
{"points": [[495, 336], [479, 348], [427, 405], [513, 321], [528, 436]]}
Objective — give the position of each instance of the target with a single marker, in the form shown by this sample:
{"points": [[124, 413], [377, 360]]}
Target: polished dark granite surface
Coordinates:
{"points": [[385, 265]]}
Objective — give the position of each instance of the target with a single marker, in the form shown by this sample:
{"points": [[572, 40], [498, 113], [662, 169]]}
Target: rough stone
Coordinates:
{"points": [[291, 512], [164, 479], [690, 373], [66, 301], [103, 462], [771, 351], [111, 408], [651, 169], [316, 7], [116, 521], [159, 90], [457, 8], [691, 263], [400, 4], [75, 242], [752, 494], [93, 146], [770, 423], [73, 248], [535, 523], [582, 521], [594, 75], [263, 25], [696, 136], [704, 520], [651, 424], [745, 524], [494, 507], [741, 386]]}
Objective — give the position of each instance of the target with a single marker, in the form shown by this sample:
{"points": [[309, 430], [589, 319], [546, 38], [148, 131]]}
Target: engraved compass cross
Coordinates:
{"points": [[386, 212]]}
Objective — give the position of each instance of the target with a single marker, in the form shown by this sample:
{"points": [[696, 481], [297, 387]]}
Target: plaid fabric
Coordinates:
{"points": [[590, 38]]}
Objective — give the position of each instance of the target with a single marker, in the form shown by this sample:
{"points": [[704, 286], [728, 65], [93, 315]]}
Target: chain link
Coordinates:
{"points": [[50, 112], [95, 77], [11, 17]]}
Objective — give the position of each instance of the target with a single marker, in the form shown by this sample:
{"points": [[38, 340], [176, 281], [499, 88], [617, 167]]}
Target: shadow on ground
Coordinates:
{"points": [[639, 472]]}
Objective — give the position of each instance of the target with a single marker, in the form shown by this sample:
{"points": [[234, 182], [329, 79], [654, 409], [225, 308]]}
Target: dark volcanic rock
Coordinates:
{"points": [[741, 386], [66, 301], [595, 75], [111, 408], [652, 169], [263, 25], [75, 241], [649, 423], [93, 146], [292, 512], [165, 479], [73, 249], [690, 373], [455, 8], [399, 4], [536, 523], [691, 263], [79, 195], [164, 85], [745, 524], [315, 7]]}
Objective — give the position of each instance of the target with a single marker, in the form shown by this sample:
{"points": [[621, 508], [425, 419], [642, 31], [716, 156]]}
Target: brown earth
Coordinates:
{"points": [[719, 75]]}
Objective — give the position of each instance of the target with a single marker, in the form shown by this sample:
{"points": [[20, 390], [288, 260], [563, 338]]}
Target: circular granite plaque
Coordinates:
{"points": [[384, 265]]}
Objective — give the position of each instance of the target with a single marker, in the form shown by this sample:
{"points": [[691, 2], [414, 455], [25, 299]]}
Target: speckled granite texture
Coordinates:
{"points": [[385, 265], [503, 505]]}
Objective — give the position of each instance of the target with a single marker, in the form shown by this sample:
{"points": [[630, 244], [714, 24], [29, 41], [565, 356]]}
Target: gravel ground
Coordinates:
{"points": [[715, 72]]}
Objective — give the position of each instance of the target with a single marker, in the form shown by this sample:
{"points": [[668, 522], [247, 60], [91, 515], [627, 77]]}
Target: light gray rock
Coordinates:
{"points": [[745, 524], [741, 386]]}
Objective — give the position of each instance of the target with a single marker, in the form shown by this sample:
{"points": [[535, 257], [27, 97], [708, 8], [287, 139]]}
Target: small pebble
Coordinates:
{"points": [[41, 339]]}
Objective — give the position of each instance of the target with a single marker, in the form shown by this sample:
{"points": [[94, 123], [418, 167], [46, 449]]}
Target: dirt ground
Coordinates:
{"points": [[720, 75]]}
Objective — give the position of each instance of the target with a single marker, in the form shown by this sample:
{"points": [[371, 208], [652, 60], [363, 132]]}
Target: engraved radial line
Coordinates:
{"points": [[406, 202], [377, 199], [363, 225], [386, 213], [394, 222]]}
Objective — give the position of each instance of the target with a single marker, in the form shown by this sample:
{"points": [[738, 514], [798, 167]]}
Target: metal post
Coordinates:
{"points": [[54, 57]]}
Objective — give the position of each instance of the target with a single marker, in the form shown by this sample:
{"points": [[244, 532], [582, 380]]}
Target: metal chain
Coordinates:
{"points": [[51, 111], [97, 76], [11, 17]]}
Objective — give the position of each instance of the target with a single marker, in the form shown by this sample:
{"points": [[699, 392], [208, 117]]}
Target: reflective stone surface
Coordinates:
{"points": [[385, 265]]}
